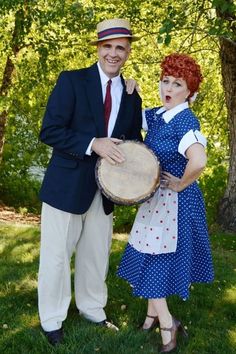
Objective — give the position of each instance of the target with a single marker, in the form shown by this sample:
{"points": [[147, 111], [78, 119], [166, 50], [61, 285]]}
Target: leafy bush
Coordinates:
{"points": [[213, 186], [19, 191], [124, 217]]}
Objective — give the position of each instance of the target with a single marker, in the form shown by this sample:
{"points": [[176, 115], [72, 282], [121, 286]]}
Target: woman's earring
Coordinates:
{"points": [[193, 97]]}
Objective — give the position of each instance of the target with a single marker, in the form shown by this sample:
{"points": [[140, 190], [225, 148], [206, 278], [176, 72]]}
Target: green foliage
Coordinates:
{"points": [[213, 186], [20, 191], [53, 36], [124, 217], [214, 180]]}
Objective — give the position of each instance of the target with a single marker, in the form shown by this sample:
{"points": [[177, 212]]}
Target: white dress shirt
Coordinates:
{"points": [[116, 94]]}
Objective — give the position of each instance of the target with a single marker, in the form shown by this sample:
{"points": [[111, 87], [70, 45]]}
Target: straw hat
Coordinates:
{"points": [[115, 28]]}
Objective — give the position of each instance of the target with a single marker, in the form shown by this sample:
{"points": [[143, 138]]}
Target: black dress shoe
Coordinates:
{"points": [[108, 325], [54, 337]]}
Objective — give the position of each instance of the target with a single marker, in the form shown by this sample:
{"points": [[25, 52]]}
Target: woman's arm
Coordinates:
{"points": [[196, 163]]}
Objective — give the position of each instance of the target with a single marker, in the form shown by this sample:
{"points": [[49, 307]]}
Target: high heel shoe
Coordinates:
{"points": [[153, 325], [176, 327]]}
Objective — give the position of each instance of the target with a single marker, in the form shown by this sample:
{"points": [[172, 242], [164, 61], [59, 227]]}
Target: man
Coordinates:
{"points": [[75, 216]]}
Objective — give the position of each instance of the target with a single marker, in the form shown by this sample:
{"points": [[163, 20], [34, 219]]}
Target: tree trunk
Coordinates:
{"points": [[8, 72], [227, 209], [6, 83]]}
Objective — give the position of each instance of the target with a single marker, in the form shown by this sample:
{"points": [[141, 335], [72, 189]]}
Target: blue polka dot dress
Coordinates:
{"points": [[160, 273]]}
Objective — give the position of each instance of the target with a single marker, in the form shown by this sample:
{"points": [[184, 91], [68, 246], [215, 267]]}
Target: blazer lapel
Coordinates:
{"points": [[94, 94]]}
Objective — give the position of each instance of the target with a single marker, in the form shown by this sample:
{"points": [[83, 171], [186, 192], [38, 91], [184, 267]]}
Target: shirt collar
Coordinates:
{"points": [[169, 114], [104, 78]]}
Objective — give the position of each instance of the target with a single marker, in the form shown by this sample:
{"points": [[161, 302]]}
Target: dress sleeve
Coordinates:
{"points": [[188, 132], [191, 137]]}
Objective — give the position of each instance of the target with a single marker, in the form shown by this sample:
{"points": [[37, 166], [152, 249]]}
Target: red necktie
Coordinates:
{"points": [[107, 104]]}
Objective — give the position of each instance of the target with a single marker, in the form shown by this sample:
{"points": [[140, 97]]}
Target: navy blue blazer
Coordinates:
{"points": [[74, 115]]}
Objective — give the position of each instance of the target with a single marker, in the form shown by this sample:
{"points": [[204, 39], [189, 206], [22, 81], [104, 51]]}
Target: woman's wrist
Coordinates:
{"points": [[182, 185]]}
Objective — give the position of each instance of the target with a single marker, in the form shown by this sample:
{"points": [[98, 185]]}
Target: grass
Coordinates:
{"points": [[209, 314]]}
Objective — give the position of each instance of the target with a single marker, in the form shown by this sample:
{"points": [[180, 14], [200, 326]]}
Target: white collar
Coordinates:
{"points": [[170, 113], [104, 78]]}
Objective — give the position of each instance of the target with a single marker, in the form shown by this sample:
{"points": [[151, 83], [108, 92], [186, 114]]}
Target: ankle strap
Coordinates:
{"points": [[166, 329], [151, 316]]}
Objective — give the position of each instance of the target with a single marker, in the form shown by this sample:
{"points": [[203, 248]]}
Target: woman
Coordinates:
{"points": [[168, 247]]}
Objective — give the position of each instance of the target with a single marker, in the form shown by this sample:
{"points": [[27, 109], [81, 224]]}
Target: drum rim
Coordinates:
{"points": [[131, 201]]}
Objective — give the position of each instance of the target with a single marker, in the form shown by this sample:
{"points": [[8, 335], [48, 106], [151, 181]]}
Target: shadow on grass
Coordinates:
{"points": [[209, 314]]}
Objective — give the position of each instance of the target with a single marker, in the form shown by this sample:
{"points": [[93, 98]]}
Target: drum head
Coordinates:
{"points": [[132, 181]]}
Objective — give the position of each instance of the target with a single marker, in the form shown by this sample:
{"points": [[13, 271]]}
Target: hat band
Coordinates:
{"points": [[112, 31]]}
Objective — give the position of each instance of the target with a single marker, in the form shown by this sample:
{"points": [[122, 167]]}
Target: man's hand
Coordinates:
{"points": [[108, 148]]}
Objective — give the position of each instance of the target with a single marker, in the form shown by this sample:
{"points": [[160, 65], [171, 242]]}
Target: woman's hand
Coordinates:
{"points": [[170, 181], [131, 85]]}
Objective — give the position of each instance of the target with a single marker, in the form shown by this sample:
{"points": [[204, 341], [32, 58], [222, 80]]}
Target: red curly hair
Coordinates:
{"points": [[185, 67]]}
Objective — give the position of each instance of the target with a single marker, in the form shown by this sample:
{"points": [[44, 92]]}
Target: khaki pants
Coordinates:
{"points": [[62, 233]]}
